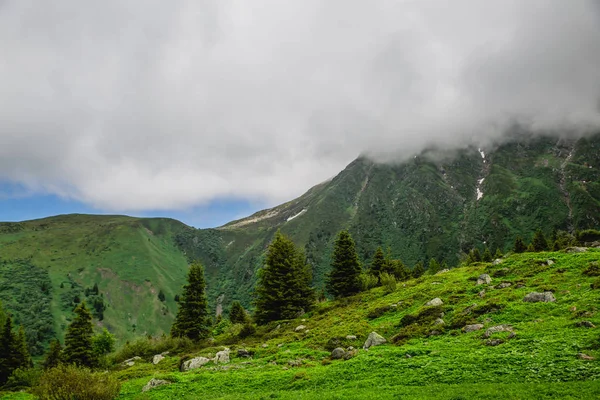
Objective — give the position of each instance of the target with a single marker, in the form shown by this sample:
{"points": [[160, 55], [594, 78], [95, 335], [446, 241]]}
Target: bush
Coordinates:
{"points": [[70, 382], [367, 281], [425, 316], [592, 270], [22, 378], [388, 281], [379, 311], [595, 284], [248, 329]]}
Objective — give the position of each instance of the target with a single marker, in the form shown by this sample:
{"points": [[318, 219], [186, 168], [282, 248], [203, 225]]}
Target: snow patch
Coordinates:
{"points": [[297, 215], [482, 153], [481, 180], [479, 194]]}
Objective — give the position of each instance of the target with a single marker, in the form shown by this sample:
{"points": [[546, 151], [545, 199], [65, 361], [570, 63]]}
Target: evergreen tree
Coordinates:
{"points": [[530, 248], [283, 288], [476, 255], [95, 289], [343, 279], [487, 255], [498, 253], [54, 355], [539, 242], [418, 270], [176, 298], [378, 264], [22, 357], [78, 339], [237, 314], [161, 295], [401, 271], [444, 265], [13, 350], [434, 266], [192, 320], [556, 246], [519, 246]]}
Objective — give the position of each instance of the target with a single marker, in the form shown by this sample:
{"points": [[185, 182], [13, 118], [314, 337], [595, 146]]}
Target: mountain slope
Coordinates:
{"points": [[435, 205]]}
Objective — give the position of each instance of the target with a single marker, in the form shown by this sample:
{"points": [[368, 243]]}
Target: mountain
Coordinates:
{"points": [[437, 204]]}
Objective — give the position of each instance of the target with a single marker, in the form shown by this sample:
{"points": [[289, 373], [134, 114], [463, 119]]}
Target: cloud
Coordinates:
{"points": [[143, 105]]}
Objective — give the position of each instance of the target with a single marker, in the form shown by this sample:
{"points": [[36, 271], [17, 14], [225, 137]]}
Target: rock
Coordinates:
{"points": [[586, 324], [497, 261], [575, 249], [154, 383], [535, 297], [436, 283], [194, 363], [157, 358], [243, 353], [280, 345], [550, 262], [498, 328], [435, 333], [484, 279], [442, 271], [351, 337], [338, 353], [583, 356], [482, 293], [130, 362], [350, 352], [434, 303], [519, 286], [494, 342], [503, 285], [222, 357], [374, 339], [300, 328], [472, 328], [264, 345], [439, 321], [295, 363], [573, 309]]}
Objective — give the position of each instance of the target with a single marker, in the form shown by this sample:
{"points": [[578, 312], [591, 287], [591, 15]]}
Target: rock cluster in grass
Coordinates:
{"points": [[536, 297], [155, 383], [484, 279]]}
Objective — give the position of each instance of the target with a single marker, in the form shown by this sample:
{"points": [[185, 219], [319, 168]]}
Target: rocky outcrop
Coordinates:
{"points": [[338, 353], [484, 279], [434, 302], [472, 328], [194, 363], [155, 383], [536, 297], [374, 339], [222, 357]]}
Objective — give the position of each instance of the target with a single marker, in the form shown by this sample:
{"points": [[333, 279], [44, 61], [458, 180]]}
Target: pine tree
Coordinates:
{"points": [[418, 270], [343, 280], [23, 359], [487, 255], [192, 320], [176, 298], [378, 264], [519, 246], [78, 339], [95, 289], [434, 266], [476, 255], [237, 314], [53, 357], [498, 253], [283, 288], [13, 350], [401, 271], [161, 295], [539, 242], [530, 248]]}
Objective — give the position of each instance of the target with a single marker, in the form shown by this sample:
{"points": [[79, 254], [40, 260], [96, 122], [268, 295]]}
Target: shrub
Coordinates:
{"points": [[388, 281], [378, 312], [592, 270], [22, 378], [248, 329], [367, 281], [70, 382], [595, 284], [425, 316]]}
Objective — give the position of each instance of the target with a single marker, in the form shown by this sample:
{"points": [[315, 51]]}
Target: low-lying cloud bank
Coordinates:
{"points": [[140, 105]]}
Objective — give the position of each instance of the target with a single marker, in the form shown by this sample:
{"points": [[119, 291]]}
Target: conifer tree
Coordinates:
{"points": [[283, 288], [498, 253], [519, 246], [192, 320], [418, 270], [444, 265], [434, 266], [95, 289], [343, 279], [487, 255], [13, 350], [401, 271], [476, 255], [539, 242], [378, 264], [22, 356], [53, 357], [161, 295], [78, 339], [530, 248], [237, 314]]}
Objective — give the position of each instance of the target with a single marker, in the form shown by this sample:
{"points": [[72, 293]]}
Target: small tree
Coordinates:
{"points": [[487, 255], [401, 271], [95, 289], [418, 270], [498, 253], [78, 339], [192, 320], [539, 242], [176, 298], [378, 264], [344, 277], [283, 288], [13, 350], [237, 314], [161, 295], [434, 266], [519, 246], [21, 350], [103, 343], [53, 357]]}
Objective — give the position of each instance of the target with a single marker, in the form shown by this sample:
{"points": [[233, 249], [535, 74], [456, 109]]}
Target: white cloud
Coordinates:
{"points": [[163, 105]]}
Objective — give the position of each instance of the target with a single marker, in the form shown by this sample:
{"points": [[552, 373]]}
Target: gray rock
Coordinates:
{"points": [[482, 293], [497, 261], [435, 333], [243, 353], [264, 345], [222, 357], [503, 285], [583, 356], [374, 339], [442, 271], [194, 363], [472, 328], [586, 324], [350, 352], [498, 328], [351, 337], [157, 358], [295, 363], [130, 362], [300, 328], [494, 342], [484, 279], [575, 249], [439, 321], [535, 297], [155, 383], [550, 262], [338, 353], [434, 303]]}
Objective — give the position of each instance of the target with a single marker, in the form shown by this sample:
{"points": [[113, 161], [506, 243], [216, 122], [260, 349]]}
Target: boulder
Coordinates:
{"points": [[439, 321], [131, 361], [434, 303], [586, 324], [497, 261], [157, 358], [300, 328], [550, 262], [295, 363], [264, 345], [442, 271], [583, 356], [243, 353], [338, 353], [503, 285], [472, 328], [351, 337], [154, 383], [222, 357], [482, 293], [494, 342], [194, 363], [484, 279], [374, 339], [350, 352], [536, 297], [498, 328], [575, 249]]}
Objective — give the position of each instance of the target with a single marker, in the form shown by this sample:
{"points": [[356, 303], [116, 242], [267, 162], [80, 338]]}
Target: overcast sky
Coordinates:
{"points": [[130, 106]]}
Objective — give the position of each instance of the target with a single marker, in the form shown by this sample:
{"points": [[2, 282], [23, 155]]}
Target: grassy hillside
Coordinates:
{"points": [[435, 205], [130, 259], [543, 359]]}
